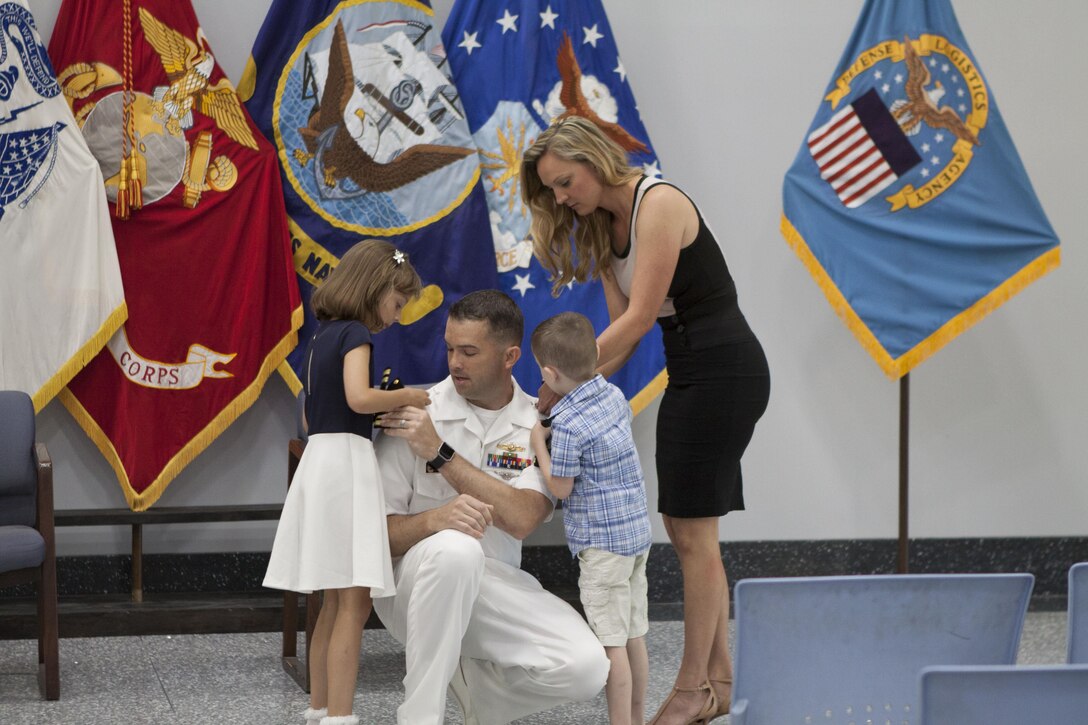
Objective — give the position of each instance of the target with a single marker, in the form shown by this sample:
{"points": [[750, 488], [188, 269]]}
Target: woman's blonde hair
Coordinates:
{"points": [[572, 138], [354, 290]]}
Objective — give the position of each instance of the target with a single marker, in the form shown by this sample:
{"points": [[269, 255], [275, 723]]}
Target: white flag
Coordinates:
{"points": [[61, 297]]}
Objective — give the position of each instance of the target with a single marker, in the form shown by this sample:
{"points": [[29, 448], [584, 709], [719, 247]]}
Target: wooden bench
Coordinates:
{"points": [[203, 515], [165, 515]]}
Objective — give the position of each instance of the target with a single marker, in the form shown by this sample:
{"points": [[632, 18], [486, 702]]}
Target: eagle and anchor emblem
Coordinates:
{"points": [[370, 128], [914, 128], [164, 156], [153, 136]]}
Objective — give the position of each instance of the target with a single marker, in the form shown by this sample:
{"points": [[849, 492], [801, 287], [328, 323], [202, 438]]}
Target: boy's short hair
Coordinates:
{"points": [[502, 315], [567, 343]]}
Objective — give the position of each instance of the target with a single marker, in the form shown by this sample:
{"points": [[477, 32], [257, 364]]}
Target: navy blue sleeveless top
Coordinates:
{"points": [[327, 408]]}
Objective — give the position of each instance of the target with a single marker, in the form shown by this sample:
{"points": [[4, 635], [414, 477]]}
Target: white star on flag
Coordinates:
{"points": [[651, 170], [925, 148], [878, 75], [898, 78], [508, 22], [935, 160], [469, 43], [523, 284], [963, 108], [885, 88], [939, 138], [932, 62], [925, 173], [944, 67], [620, 69], [547, 18], [592, 36], [959, 92]]}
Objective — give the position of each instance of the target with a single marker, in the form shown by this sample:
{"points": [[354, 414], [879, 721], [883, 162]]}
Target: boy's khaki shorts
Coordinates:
{"points": [[613, 593]]}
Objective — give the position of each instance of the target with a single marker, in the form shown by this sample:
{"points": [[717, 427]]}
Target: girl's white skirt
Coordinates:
{"points": [[332, 532]]}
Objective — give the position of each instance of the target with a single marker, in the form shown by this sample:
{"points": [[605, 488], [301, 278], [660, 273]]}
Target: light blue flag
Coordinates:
{"points": [[519, 65], [907, 201], [373, 143]]}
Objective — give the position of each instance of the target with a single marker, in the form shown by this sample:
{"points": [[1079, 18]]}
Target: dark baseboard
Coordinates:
{"points": [[205, 593]]}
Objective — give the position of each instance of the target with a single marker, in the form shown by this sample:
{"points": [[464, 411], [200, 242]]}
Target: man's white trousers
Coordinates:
{"points": [[524, 649]]}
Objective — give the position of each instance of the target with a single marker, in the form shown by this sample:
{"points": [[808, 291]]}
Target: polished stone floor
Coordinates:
{"points": [[236, 679]]}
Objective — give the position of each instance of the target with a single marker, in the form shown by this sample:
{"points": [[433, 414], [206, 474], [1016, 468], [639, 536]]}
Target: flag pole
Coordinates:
{"points": [[904, 484]]}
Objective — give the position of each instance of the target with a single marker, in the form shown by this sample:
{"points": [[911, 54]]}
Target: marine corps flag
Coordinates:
{"points": [[521, 65], [372, 141], [907, 201], [204, 252], [60, 285]]}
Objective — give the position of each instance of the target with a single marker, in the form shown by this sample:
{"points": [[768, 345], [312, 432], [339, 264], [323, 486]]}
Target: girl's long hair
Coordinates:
{"points": [[354, 290], [572, 138]]}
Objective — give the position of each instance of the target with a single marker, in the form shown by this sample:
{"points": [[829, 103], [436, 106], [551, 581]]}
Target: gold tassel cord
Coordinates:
{"points": [[130, 185]]}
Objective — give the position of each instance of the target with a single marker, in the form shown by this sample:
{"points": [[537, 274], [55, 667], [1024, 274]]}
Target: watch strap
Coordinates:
{"points": [[445, 455]]}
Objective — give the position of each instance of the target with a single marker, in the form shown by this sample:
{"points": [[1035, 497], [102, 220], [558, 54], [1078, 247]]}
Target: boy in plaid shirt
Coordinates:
{"points": [[594, 466]]}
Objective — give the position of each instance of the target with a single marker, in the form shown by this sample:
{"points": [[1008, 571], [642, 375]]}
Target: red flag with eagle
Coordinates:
{"points": [[201, 238]]}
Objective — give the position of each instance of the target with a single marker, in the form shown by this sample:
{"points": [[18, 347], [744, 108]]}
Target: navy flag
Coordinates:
{"points": [[520, 65], [372, 140], [907, 201]]}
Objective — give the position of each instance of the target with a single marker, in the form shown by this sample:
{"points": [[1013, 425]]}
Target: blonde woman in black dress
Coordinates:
{"points": [[659, 262]]}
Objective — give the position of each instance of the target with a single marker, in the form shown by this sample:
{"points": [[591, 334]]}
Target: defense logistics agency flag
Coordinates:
{"points": [[907, 201], [373, 142], [213, 304], [60, 286], [522, 64]]}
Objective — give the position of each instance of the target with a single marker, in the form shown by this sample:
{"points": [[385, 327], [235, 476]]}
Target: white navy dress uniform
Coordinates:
{"points": [[462, 605]]}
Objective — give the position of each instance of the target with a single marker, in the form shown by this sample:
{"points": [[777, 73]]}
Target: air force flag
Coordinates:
{"points": [[907, 201], [520, 65]]}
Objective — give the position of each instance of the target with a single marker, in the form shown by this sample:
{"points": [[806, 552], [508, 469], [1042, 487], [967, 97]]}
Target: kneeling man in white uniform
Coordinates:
{"points": [[461, 493]]}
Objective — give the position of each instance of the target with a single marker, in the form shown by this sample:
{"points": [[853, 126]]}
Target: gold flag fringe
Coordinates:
{"points": [[140, 501], [87, 351], [896, 368], [654, 388], [284, 368]]}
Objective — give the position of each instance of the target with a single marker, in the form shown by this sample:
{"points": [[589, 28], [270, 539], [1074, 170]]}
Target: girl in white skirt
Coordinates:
{"points": [[332, 533]]}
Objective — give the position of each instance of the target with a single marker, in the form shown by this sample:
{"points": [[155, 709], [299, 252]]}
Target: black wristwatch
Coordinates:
{"points": [[445, 455]]}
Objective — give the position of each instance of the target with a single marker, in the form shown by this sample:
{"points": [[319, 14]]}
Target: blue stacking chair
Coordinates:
{"points": [[1078, 614], [27, 544], [1051, 695], [841, 650]]}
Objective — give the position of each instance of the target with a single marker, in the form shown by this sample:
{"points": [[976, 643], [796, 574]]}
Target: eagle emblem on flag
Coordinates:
{"points": [[932, 92], [189, 67], [369, 126]]}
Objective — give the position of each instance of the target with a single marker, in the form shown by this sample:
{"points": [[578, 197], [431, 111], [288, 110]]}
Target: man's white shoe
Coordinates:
{"points": [[459, 689]]}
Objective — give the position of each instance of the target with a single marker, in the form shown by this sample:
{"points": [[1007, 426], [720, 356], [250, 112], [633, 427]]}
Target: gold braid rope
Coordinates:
{"points": [[130, 186]]}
